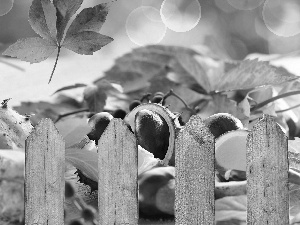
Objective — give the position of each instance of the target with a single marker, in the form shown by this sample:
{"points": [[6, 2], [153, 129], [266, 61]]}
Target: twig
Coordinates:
{"points": [[260, 105], [12, 65], [146, 96], [171, 92], [71, 113], [284, 110]]}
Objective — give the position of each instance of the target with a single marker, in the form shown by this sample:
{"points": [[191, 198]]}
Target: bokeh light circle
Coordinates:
{"points": [[245, 4], [180, 15], [224, 6], [153, 3], [152, 14], [144, 26], [282, 17], [5, 6]]}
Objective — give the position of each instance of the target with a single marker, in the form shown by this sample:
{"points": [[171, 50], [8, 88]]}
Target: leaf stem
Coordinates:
{"points": [[284, 110], [58, 51], [260, 105], [171, 92], [71, 113]]}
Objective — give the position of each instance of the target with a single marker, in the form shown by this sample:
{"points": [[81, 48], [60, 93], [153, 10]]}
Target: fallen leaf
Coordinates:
{"points": [[294, 208], [86, 161], [231, 207], [146, 160], [294, 153]]}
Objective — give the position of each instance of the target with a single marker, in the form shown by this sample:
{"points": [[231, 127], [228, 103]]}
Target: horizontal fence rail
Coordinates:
{"points": [[267, 175]]}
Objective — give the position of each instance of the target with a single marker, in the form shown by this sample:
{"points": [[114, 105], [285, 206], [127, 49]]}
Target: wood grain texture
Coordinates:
{"points": [[117, 184], [267, 174], [195, 174], [44, 176]]}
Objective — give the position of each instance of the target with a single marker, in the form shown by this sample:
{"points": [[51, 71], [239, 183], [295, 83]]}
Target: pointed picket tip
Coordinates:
{"points": [[196, 127], [195, 174], [117, 123], [44, 175], [42, 128], [267, 120], [267, 173], [118, 173]]}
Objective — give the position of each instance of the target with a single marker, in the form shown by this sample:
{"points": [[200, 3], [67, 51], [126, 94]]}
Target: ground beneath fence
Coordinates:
{"points": [[92, 199]]}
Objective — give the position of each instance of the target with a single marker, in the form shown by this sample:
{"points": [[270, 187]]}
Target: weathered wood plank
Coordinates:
{"points": [[195, 174], [117, 184], [44, 175], [267, 174]]}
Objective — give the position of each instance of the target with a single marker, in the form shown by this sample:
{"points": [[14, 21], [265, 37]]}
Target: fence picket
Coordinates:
{"points": [[267, 174], [195, 174], [117, 184], [44, 175]]}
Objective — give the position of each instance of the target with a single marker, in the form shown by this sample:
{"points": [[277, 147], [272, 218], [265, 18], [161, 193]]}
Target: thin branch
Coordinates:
{"points": [[71, 113], [146, 96], [260, 105], [12, 65], [171, 92], [284, 110], [58, 51]]}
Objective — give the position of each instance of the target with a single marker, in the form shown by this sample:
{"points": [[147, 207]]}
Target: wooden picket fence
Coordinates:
{"points": [[267, 175]]}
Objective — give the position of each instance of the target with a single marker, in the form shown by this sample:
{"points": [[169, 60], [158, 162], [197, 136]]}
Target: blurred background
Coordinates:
{"points": [[231, 28]]}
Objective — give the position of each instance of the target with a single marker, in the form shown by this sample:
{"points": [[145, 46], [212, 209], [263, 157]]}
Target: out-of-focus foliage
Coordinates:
{"points": [[224, 26]]}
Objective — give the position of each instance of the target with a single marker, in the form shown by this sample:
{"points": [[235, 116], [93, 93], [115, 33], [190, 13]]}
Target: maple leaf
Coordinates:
{"points": [[136, 69], [33, 50], [189, 68], [252, 74], [49, 20], [65, 9]]}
